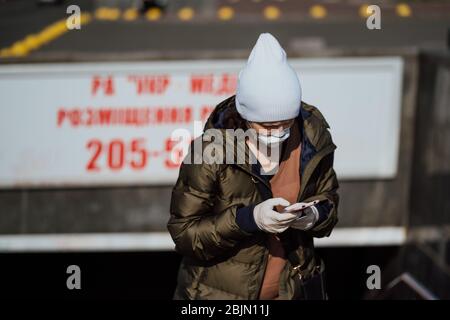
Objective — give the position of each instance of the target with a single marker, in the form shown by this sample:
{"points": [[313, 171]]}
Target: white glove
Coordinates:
{"points": [[307, 219], [270, 220]]}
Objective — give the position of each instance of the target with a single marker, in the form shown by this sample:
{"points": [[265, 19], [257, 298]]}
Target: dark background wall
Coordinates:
{"points": [[152, 275]]}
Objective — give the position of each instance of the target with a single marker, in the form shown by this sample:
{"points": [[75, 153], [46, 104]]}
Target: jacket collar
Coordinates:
{"points": [[312, 126]]}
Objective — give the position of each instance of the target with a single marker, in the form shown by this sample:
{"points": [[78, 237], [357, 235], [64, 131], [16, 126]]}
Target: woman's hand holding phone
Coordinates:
{"points": [[297, 208], [306, 212]]}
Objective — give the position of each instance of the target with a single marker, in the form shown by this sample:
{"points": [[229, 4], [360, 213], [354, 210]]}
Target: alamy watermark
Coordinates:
{"points": [[224, 146], [73, 22], [374, 19], [74, 279], [374, 280]]}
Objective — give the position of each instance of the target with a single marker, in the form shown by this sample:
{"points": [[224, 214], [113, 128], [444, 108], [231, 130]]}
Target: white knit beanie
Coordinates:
{"points": [[268, 88]]}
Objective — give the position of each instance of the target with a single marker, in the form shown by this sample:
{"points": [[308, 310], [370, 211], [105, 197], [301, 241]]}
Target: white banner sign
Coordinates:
{"points": [[84, 124]]}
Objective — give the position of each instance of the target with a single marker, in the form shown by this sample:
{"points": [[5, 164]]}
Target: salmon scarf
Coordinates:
{"points": [[285, 184]]}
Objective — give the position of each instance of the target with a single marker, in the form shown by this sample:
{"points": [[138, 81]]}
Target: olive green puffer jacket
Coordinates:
{"points": [[220, 259]]}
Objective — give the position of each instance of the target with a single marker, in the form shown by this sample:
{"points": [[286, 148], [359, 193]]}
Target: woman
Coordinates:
{"points": [[227, 219]]}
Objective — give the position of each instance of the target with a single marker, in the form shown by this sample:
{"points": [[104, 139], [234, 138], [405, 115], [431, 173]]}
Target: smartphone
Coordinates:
{"points": [[298, 206]]}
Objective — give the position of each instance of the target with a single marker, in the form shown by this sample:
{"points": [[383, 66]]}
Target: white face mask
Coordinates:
{"points": [[273, 139]]}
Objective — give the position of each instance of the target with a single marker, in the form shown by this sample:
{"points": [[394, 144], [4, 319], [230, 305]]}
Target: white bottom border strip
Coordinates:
{"points": [[161, 241]]}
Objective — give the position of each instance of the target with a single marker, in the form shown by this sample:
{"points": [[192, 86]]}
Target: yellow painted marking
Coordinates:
{"points": [[272, 12], [19, 49], [403, 10], [106, 13], [153, 14], [130, 14], [318, 12], [186, 13], [225, 13], [363, 11], [34, 41]]}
